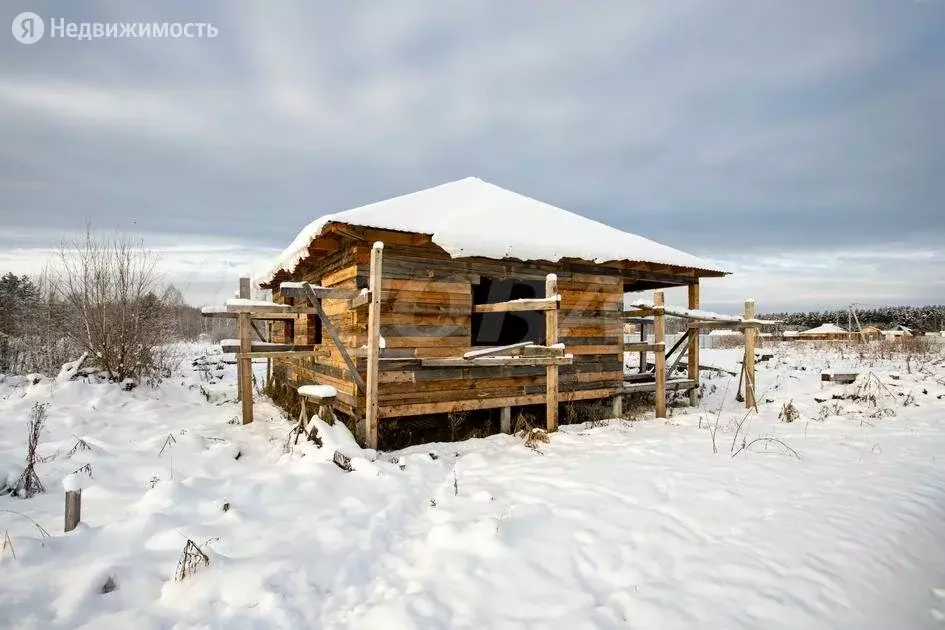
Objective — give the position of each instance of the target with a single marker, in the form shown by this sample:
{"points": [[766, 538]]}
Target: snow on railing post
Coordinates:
{"points": [[73, 508]]}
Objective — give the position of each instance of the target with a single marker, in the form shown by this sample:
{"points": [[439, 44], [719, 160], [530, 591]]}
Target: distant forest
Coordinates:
{"points": [[918, 318]]}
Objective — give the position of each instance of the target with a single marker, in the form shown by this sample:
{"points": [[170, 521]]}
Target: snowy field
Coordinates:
{"points": [[620, 524]]}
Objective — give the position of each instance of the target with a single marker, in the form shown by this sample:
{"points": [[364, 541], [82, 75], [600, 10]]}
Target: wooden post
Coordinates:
{"points": [[373, 346], [243, 294], [73, 509], [749, 360], [693, 371], [617, 408], [659, 338], [505, 420], [551, 372], [643, 355]]}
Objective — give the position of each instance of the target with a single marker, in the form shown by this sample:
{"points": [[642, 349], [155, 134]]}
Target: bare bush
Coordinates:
{"points": [[115, 307], [192, 559], [788, 412], [28, 484]]}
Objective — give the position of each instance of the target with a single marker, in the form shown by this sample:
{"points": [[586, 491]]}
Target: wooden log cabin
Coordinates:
{"points": [[461, 263]]}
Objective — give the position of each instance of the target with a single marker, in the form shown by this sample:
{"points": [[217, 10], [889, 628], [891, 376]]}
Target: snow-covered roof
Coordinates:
{"points": [[823, 329], [471, 217]]}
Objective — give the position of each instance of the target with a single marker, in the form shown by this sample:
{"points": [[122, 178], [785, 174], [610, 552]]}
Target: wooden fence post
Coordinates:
{"points": [[373, 346], [244, 325], [749, 360], [659, 338], [693, 371], [244, 294], [73, 513], [551, 371]]}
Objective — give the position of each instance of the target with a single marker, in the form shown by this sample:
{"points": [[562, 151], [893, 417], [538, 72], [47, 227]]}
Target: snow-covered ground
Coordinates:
{"points": [[619, 524]]}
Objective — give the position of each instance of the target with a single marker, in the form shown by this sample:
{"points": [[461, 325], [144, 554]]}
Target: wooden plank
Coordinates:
{"points": [[267, 347], [362, 299], [495, 361], [333, 334], [651, 386], [633, 346], [262, 311], [692, 369], [373, 345], [659, 337], [678, 344], [505, 420], [300, 290], [416, 409], [551, 338], [297, 354], [749, 360], [537, 304], [533, 350], [484, 352]]}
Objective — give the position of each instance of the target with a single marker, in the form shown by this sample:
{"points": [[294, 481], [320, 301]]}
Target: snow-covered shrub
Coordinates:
{"points": [[28, 484], [788, 412]]}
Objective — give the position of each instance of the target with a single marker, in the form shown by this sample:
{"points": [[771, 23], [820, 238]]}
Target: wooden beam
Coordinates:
{"points": [[496, 361], [373, 345], [643, 363], [533, 350], [362, 299], [246, 367], [273, 316], [417, 409], [692, 370], [539, 304], [749, 361], [258, 332], [484, 352], [229, 348], [670, 385], [262, 311], [296, 290], [505, 420], [551, 338], [659, 332], [285, 354], [641, 346], [679, 356], [333, 335]]}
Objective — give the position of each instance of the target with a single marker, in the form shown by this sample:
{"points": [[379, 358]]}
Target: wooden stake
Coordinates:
{"points": [[73, 509], [659, 337], [749, 361], [505, 420], [693, 371], [642, 354], [551, 372], [373, 345]]}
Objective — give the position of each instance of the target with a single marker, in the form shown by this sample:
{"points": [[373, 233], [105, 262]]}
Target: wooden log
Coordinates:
{"points": [[73, 510], [617, 406], [505, 420], [229, 348], [533, 350], [285, 354], [373, 345], [263, 311], [298, 290], [659, 332], [749, 360], [538, 304], [693, 354], [551, 373], [244, 294]]}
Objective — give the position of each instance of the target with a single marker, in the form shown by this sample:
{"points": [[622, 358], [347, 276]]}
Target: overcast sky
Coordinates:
{"points": [[801, 144]]}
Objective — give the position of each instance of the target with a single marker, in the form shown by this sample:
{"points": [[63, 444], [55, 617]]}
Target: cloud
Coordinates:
{"points": [[778, 132]]}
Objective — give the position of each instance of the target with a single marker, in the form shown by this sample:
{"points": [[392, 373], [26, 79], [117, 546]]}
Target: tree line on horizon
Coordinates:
{"points": [[929, 318]]}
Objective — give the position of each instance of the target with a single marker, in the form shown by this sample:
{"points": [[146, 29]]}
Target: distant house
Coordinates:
{"points": [[826, 332], [897, 333], [871, 333]]}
